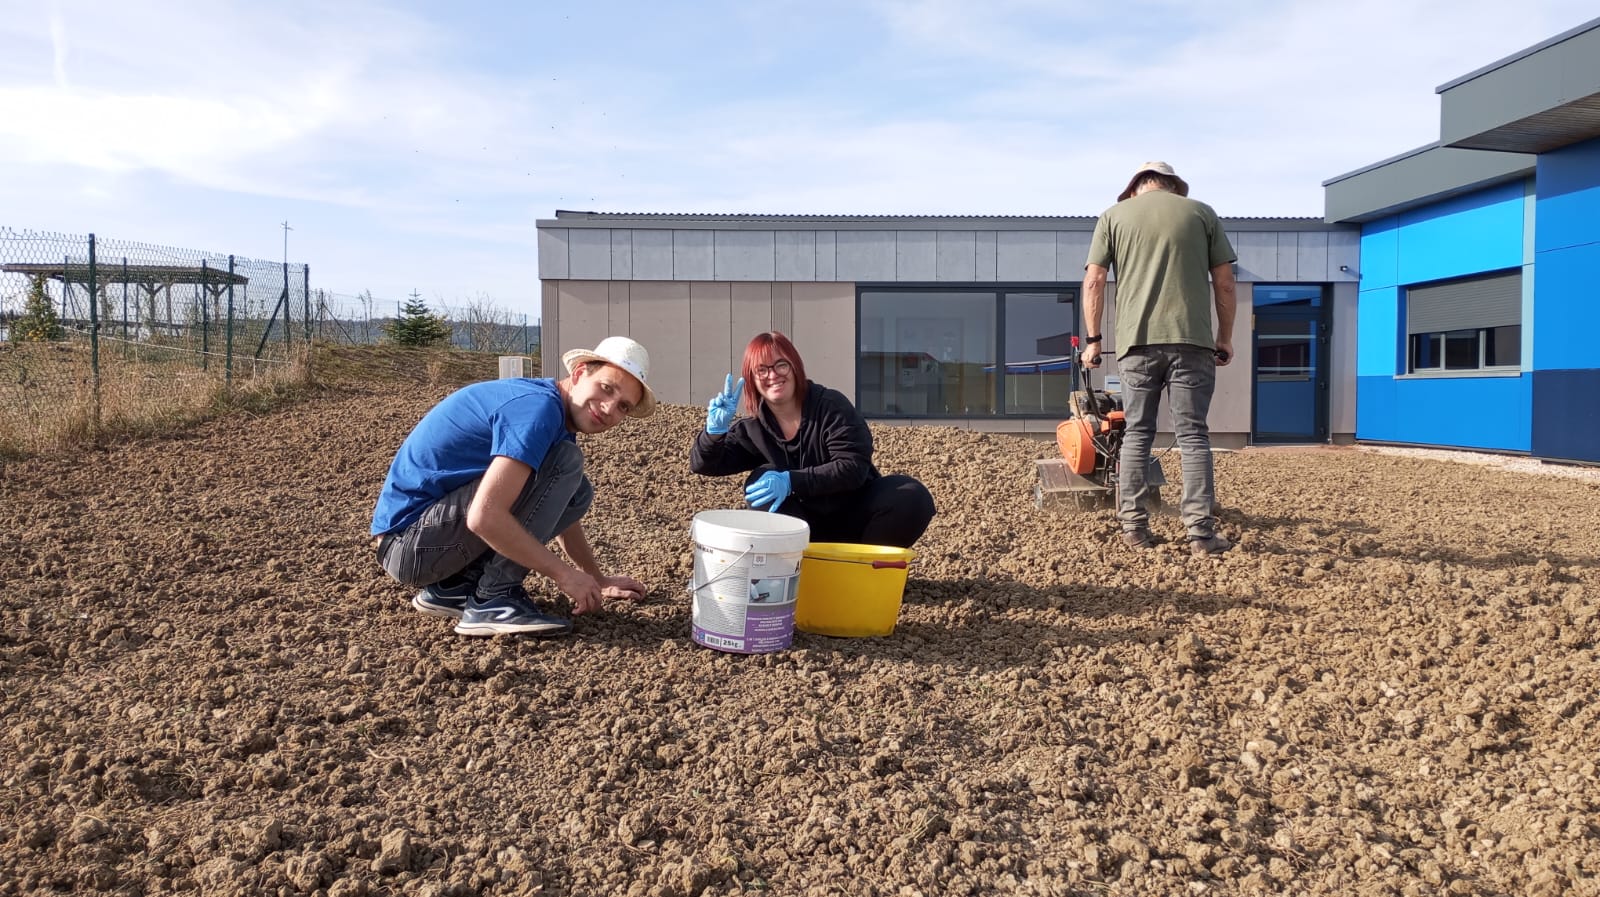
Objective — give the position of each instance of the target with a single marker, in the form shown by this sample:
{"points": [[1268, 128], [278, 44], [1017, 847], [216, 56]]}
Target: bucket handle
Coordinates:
{"points": [[725, 570], [897, 565]]}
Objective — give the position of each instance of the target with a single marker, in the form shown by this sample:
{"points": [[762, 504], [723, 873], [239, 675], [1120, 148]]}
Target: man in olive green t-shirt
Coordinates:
{"points": [[1173, 262]]}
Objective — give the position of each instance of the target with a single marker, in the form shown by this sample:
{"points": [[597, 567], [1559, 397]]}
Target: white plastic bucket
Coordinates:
{"points": [[746, 579]]}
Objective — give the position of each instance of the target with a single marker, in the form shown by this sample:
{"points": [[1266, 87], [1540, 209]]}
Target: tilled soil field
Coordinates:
{"points": [[207, 686]]}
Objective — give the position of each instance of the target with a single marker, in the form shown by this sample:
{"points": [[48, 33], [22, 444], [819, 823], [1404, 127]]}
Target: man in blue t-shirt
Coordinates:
{"points": [[491, 474]]}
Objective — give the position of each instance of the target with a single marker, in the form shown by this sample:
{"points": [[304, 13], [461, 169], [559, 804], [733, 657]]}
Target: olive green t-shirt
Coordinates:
{"points": [[1162, 247]]}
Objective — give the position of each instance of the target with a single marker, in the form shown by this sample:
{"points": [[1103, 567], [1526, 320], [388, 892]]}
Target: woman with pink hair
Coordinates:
{"points": [[807, 452]]}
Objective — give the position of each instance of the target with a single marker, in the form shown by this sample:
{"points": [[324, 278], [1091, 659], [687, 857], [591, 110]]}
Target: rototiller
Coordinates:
{"points": [[1090, 443]]}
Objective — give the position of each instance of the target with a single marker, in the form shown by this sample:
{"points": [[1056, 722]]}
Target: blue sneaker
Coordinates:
{"points": [[441, 600], [509, 614]]}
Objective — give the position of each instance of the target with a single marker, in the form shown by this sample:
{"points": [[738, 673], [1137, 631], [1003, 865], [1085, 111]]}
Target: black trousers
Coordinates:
{"points": [[891, 510]]}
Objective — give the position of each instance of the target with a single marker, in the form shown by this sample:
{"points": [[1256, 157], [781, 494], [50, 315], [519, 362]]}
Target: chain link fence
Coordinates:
{"points": [[476, 325], [101, 336]]}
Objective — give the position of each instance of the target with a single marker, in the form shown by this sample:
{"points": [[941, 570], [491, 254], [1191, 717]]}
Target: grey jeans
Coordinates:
{"points": [[1190, 375], [439, 545]]}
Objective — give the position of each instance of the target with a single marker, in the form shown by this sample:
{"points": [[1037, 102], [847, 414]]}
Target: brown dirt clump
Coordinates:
{"points": [[207, 686]]}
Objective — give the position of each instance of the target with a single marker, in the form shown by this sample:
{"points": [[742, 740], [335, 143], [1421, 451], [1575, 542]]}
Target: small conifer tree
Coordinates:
{"points": [[38, 322], [417, 326]]}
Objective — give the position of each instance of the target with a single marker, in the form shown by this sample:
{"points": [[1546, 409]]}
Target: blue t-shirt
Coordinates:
{"points": [[453, 444]]}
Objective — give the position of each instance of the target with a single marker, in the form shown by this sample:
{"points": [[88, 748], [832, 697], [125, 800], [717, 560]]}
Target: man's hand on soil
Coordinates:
{"points": [[625, 587]]}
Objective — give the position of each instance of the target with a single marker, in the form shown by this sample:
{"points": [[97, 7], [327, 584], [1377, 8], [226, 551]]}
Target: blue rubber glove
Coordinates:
{"points": [[722, 407], [772, 486]]}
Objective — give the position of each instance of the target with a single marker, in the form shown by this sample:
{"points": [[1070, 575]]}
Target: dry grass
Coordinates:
{"points": [[50, 400]]}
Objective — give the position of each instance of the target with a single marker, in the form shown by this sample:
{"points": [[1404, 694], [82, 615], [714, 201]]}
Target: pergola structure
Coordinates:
{"points": [[151, 279]]}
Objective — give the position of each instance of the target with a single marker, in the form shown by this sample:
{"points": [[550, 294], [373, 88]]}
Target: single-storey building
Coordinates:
{"points": [[963, 321], [1479, 262]]}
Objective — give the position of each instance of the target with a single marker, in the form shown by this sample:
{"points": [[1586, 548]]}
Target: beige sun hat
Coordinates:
{"points": [[1156, 168], [626, 354]]}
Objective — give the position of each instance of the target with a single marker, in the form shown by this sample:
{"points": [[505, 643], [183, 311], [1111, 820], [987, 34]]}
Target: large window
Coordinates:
{"points": [[1470, 324], [965, 352]]}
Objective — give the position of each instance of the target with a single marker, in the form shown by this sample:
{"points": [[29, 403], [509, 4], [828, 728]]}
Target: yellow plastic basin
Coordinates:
{"points": [[851, 590]]}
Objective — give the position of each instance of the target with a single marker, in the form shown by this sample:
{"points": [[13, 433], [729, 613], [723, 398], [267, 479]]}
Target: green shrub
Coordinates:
{"points": [[417, 326], [38, 322]]}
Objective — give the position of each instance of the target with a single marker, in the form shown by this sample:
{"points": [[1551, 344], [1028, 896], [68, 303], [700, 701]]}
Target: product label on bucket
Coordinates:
{"points": [[741, 605]]}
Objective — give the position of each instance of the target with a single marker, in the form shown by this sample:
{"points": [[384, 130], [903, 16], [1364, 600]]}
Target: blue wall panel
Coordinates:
{"points": [[1463, 412], [1566, 415], [1566, 308], [1470, 234], [1376, 413], [1569, 197], [1378, 333], [1380, 241]]}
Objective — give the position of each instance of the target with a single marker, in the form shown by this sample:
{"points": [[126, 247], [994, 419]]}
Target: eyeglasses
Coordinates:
{"points": [[780, 368]]}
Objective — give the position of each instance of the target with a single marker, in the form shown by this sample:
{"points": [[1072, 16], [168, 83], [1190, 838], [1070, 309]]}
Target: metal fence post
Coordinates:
{"points": [[94, 334], [305, 289], [205, 319], [228, 377], [288, 311], [124, 306], [94, 319]]}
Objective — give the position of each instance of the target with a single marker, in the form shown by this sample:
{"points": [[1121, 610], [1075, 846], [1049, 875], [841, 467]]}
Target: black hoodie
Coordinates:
{"points": [[828, 459]]}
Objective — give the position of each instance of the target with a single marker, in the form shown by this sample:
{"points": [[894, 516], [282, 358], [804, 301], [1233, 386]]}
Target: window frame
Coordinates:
{"points": [[999, 291], [1441, 339]]}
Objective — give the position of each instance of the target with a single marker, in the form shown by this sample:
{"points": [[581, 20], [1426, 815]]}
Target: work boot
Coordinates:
{"points": [[1210, 546], [1141, 539]]}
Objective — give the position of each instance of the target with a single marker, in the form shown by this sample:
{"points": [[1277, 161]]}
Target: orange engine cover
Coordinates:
{"points": [[1076, 445]]}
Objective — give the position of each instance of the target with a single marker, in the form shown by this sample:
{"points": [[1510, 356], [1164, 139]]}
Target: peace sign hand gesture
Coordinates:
{"points": [[722, 407]]}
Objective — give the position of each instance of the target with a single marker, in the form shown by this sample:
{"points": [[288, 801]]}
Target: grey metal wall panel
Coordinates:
{"points": [[553, 263], [752, 314], [710, 337], [1025, 255], [1424, 176], [1311, 256], [549, 328], [796, 255], [1344, 251], [619, 318], [1288, 257], [658, 316], [622, 255], [783, 307], [825, 333], [864, 255], [1258, 256], [693, 256], [986, 270], [1072, 253], [590, 251], [744, 254], [585, 310], [827, 255], [915, 255], [956, 256], [1342, 358], [1490, 108], [652, 255]]}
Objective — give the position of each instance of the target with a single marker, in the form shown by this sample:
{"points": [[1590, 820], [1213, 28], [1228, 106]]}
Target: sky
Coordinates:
{"points": [[413, 146]]}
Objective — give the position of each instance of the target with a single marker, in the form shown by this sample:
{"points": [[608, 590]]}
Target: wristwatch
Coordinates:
{"points": [[1091, 340]]}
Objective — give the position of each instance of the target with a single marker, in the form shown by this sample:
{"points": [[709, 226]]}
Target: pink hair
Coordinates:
{"points": [[768, 348]]}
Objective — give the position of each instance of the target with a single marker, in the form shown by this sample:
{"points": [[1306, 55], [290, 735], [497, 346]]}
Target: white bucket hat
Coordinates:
{"points": [[626, 354], [1154, 168]]}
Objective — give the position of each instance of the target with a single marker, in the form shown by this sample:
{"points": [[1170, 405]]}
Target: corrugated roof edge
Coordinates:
{"points": [[570, 218]]}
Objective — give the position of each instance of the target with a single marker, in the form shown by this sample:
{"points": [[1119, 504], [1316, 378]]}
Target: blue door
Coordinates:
{"points": [[1291, 357]]}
